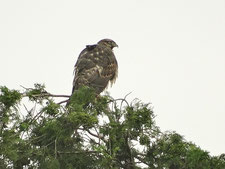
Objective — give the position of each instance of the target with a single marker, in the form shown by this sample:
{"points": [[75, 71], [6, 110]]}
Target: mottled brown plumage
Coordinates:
{"points": [[96, 66]]}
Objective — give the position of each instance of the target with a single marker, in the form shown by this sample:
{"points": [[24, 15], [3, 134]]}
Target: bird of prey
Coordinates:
{"points": [[96, 66]]}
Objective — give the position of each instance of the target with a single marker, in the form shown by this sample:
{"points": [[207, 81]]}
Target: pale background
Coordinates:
{"points": [[171, 53]]}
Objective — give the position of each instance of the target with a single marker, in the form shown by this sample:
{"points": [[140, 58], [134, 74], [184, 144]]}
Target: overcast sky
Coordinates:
{"points": [[171, 53]]}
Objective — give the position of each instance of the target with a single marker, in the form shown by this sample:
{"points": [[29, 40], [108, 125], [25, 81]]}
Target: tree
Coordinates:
{"points": [[91, 133]]}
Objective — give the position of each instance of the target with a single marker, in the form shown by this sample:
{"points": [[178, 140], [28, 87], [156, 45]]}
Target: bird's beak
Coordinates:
{"points": [[115, 45]]}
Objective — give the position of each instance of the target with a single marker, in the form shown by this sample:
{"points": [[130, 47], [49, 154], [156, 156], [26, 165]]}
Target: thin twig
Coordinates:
{"points": [[94, 135], [49, 143], [37, 115], [121, 99], [98, 135], [47, 95], [26, 87], [36, 138], [26, 109], [124, 100], [64, 101], [60, 152], [56, 148], [141, 160]]}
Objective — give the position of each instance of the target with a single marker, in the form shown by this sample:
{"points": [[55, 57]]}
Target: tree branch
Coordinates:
{"points": [[47, 95], [92, 134], [64, 101], [61, 152]]}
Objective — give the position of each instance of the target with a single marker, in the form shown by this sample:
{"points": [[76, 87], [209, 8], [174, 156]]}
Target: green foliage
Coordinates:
{"points": [[51, 109], [91, 132], [196, 158], [8, 98], [81, 99], [37, 94]]}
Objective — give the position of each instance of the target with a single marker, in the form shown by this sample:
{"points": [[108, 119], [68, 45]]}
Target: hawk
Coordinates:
{"points": [[96, 66]]}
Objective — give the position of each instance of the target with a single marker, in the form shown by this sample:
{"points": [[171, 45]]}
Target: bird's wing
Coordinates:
{"points": [[95, 66], [111, 71], [87, 68]]}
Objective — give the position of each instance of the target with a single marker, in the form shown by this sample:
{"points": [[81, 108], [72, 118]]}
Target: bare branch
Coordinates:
{"points": [[47, 95], [55, 148], [94, 135], [67, 152], [64, 101], [37, 115], [61, 152], [25, 88]]}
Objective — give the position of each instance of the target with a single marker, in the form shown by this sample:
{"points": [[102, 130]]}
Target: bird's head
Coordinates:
{"points": [[108, 42]]}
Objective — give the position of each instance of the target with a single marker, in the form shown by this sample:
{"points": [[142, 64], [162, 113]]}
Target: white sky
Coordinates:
{"points": [[171, 53]]}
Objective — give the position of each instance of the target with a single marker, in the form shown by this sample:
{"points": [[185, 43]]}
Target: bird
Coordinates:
{"points": [[96, 67]]}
